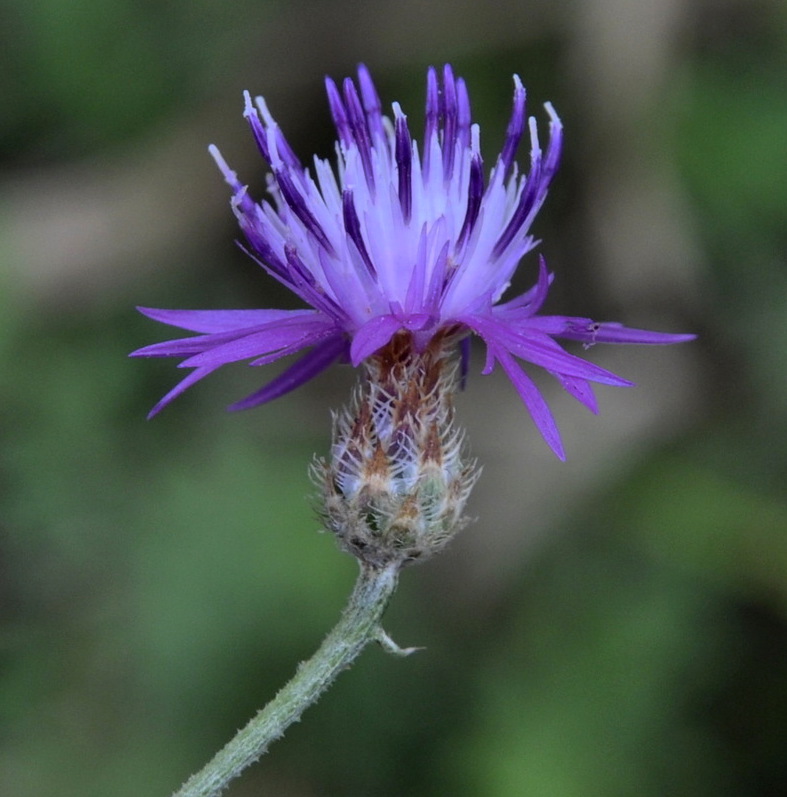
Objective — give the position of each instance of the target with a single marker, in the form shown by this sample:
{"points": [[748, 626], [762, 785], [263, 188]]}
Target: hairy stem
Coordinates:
{"points": [[359, 625]]}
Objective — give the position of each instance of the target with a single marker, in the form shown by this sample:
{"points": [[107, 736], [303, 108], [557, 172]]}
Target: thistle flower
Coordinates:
{"points": [[400, 243]]}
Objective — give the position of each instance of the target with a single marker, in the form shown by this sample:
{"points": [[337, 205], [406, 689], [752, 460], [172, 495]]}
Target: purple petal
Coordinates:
{"points": [[552, 324], [540, 350], [311, 364], [580, 389], [489, 361], [196, 344], [529, 302], [265, 341], [416, 321], [293, 348], [610, 332], [194, 376], [221, 320], [185, 347], [373, 335], [534, 401]]}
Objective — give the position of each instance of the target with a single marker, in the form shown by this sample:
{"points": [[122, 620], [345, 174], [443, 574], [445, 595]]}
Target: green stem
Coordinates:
{"points": [[359, 625]]}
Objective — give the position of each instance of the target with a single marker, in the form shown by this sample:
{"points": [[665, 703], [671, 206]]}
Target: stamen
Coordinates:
{"points": [[449, 122], [359, 130], [432, 117], [371, 103], [475, 193], [463, 113], [252, 116], [352, 225], [534, 191], [516, 125], [338, 113], [300, 208], [403, 155]]}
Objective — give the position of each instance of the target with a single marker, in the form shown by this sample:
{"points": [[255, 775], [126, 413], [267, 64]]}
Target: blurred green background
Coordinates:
{"points": [[615, 625]]}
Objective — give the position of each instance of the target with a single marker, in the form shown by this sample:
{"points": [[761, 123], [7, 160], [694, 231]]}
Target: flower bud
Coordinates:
{"points": [[397, 481]]}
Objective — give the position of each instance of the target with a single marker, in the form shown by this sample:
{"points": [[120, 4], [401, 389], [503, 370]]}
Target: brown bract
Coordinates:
{"points": [[396, 484]]}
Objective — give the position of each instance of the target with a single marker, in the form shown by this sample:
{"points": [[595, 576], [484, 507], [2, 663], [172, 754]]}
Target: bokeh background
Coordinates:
{"points": [[615, 625]]}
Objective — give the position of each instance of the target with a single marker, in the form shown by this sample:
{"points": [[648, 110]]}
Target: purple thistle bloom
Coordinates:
{"points": [[401, 240]]}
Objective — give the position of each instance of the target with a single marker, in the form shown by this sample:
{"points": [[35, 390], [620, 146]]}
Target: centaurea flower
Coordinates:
{"points": [[401, 243], [400, 255]]}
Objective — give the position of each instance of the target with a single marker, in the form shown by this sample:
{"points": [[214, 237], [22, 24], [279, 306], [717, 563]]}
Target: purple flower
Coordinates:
{"points": [[397, 239]]}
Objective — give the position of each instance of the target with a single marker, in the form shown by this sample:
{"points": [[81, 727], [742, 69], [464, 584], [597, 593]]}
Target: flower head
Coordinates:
{"points": [[400, 239]]}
